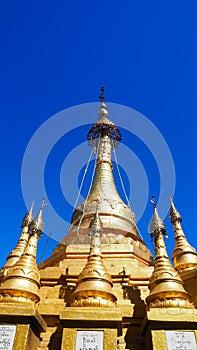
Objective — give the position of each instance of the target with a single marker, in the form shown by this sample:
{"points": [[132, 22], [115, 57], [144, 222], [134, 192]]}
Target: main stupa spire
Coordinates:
{"points": [[116, 216]]}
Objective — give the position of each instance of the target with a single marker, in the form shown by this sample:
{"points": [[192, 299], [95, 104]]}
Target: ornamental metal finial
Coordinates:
{"points": [[28, 218], [174, 213], [102, 97], [153, 201], [96, 225], [38, 224], [43, 204], [156, 222]]}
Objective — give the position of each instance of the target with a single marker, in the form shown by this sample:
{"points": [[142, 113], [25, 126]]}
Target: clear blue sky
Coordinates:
{"points": [[56, 55]]}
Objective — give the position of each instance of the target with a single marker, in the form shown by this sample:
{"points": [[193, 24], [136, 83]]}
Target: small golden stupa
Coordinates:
{"points": [[184, 255], [22, 280], [166, 286], [94, 286], [16, 253]]}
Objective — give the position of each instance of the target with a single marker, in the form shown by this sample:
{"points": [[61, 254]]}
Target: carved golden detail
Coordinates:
{"points": [[121, 343], [184, 255], [166, 286], [104, 161], [170, 303]]}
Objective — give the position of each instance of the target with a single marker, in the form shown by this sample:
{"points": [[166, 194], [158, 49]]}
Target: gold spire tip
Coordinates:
{"points": [[156, 222], [38, 224], [28, 218], [173, 212]]}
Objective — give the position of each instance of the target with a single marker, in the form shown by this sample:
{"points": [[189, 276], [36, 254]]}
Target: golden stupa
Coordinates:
{"points": [[184, 255], [166, 286], [16, 253], [100, 289], [21, 282], [94, 286]]}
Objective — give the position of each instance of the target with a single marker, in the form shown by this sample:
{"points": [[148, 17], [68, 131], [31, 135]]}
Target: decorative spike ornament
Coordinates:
{"points": [[22, 281], [28, 218], [38, 224], [166, 286], [184, 255], [94, 287]]}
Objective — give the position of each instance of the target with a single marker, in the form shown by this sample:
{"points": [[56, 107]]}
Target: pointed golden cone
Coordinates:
{"points": [[22, 281], [166, 286], [184, 255], [116, 216], [94, 287], [16, 253]]}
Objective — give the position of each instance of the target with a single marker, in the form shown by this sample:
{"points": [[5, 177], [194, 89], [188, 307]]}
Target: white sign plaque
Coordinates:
{"points": [[89, 340], [7, 334], [178, 340]]}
